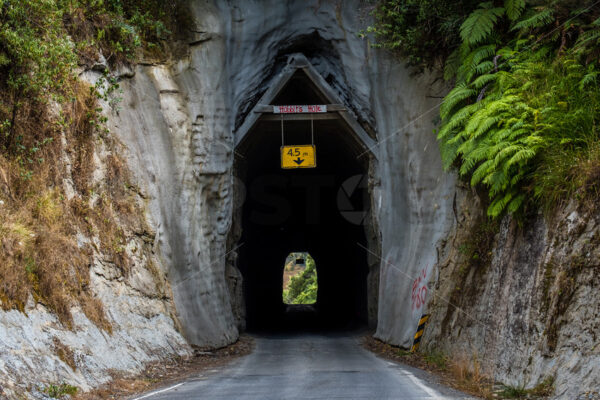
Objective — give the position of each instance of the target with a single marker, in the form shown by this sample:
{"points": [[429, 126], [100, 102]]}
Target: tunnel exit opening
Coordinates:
{"points": [[322, 210], [300, 280]]}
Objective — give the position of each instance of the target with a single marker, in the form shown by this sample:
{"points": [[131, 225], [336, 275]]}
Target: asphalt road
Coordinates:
{"points": [[309, 366]]}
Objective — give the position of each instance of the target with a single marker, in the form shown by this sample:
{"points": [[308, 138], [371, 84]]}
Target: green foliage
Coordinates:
{"points": [[521, 119], [303, 287], [536, 18], [543, 390], [436, 358], [41, 44], [60, 391], [479, 23], [36, 55], [513, 392], [514, 8], [515, 127], [424, 32], [120, 27]]}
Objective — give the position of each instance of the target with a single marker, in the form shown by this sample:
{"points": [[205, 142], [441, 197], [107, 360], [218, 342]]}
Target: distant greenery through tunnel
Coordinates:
{"points": [[299, 279]]}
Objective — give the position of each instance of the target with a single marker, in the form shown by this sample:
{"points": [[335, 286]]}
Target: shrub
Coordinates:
{"points": [[521, 119]]}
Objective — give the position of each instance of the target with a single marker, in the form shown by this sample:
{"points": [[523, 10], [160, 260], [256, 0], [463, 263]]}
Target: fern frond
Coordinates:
{"points": [[497, 182], [485, 127], [457, 120], [515, 204], [482, 52], [591, 37], [453, 98], [479, 23], [477, 155], [588, 79], [484, 67], [506, 152], [514, 8], [448, 153], [452, 65], [481, 172], [483, 80], [520, 157], [537, 20], [498, 205]]}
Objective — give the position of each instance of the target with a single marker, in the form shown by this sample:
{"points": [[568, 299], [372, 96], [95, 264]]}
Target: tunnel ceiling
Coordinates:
{"points": [[304, 85]]}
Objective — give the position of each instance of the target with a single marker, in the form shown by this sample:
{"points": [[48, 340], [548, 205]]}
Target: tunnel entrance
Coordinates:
{"points": [[313, 209]]}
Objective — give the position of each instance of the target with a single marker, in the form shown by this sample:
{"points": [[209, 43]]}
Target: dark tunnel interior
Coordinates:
{"points": [[299, 210]]}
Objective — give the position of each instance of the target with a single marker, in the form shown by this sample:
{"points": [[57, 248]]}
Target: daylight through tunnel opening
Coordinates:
{"points": [[322, 211]]}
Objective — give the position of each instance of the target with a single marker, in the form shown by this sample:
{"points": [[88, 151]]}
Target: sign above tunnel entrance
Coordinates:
{"points": [[302, 156], [300, 109]]}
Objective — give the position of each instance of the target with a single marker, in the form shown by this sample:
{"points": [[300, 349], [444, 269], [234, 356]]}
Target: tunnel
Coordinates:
{"points": [[319, 210]]}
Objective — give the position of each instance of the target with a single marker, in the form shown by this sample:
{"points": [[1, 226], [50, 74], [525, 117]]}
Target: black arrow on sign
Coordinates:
{"points": [[298, 161]]}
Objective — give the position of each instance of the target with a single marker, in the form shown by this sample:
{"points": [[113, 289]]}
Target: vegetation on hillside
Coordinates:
{"points": [[521, 120], [50, 129], [302, 288]]}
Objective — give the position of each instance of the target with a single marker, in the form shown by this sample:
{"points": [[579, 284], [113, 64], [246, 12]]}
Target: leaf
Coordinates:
{"points": [[481, 172], [453, 98], [480, 24], [452, 64], [498, 205], [515, 203], [588, 79], [483, 80], [536, 20], [514, 8]]}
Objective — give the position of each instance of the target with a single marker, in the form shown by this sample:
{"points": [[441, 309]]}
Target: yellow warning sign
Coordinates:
{"points": [[302, 156]]}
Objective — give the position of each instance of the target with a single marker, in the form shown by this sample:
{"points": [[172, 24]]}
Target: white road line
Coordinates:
{"points": [[158, 391], [432, 393]]}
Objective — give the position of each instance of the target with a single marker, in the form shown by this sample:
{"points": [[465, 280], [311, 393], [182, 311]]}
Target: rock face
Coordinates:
{"points": [[533, 309], [36, 349], [530, 312]]}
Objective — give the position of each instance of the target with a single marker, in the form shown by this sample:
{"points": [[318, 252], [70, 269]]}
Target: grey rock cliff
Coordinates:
{"points": [[529, 314]]}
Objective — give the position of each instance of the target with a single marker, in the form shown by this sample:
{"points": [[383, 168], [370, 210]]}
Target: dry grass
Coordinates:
{"points": [[39, 252], [588, 172], [64, 352], [469, 376], [461, 372]]}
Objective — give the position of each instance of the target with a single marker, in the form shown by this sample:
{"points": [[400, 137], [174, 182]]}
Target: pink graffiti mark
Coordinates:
{"points": [[419, 290]]}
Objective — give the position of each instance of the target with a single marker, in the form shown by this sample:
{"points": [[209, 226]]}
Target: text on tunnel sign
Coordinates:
{"points": [[302, 156]]}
